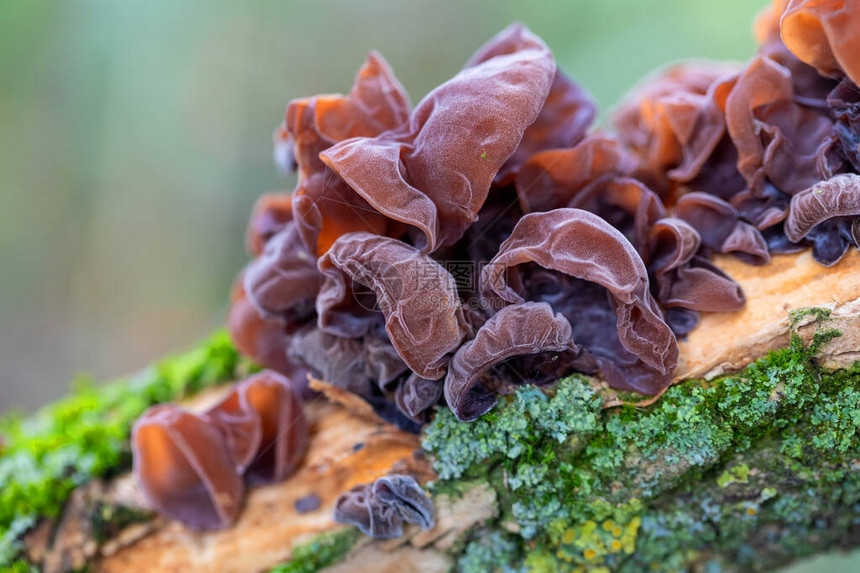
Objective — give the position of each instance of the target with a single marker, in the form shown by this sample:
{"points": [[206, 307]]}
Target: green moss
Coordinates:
{"points": [[819, 313], [70, 442], [320, 552], [108, 520], [20, 566], [692, 478]]}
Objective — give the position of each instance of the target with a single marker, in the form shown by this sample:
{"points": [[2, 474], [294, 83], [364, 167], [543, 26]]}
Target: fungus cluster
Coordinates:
{"points": [[489, 237], [194, 467]]}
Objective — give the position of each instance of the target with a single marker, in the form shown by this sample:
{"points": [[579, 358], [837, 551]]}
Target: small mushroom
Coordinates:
{"points": [[379, 509], [185, 468]]}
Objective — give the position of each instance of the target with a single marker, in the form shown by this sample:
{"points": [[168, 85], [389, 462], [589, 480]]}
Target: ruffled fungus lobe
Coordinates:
{"points": [[408, 497], [626, 204], [185, 468], [672, 122], [191, 466], [379, 509], [550, 179], [775, 137], [721, 227], [567, 111], [844, 101], [283, 281], [264, 340], [434, 172], [415, 396], [683, 279], [416, 296], [527, 329], [823, 33], [361, 508], [271, 214], [325, 207], [641, 352], [264, 422], [824, 214]]}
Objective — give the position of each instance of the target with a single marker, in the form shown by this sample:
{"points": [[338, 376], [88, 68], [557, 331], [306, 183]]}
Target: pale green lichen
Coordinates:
{"points": [[736, 474], [491, 552], [698, 476], [529, 418]]}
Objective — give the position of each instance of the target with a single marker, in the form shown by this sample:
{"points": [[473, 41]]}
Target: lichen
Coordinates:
{"points": [[707, 475], [491, 552], [530, 417], [320, 552], [84, 436]]}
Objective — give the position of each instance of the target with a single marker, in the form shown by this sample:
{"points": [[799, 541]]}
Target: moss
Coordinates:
{"points": [[818, 314], [20, 566], [108, 520], [320, 552], [692, 479], [84, 436]]}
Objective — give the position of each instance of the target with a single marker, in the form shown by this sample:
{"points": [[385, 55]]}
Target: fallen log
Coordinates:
{"points": [[748, 471]]}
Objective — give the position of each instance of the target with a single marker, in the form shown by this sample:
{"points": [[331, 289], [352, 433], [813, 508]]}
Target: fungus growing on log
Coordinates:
{"points": [[193, 467], [379, 509]]}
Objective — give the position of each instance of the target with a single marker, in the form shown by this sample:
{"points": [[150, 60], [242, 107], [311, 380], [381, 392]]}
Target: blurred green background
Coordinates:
{"points": [[135, 136]]}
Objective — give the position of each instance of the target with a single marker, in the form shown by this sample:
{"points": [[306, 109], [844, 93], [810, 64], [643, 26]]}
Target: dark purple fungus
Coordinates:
{"points": [[410, 499], [522, 343], [824, 215], [416, 296], [602, 289], [567, 112], [379, 509]]}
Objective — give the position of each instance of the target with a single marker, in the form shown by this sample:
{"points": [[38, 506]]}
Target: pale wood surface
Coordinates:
{"points": [[724, 342]]}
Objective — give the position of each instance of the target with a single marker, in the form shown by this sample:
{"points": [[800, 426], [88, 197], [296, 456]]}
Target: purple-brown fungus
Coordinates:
{"points": [[435, 171], [193, 467], [823, 33], [264, 423], [379, 509], [186, 469], [522, 343], [602, 289], [416, 296], [825, 214]]}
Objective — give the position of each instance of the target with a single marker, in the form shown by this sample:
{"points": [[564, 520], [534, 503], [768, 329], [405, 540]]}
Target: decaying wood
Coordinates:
{"points": [[725, 342], [348, 448]]}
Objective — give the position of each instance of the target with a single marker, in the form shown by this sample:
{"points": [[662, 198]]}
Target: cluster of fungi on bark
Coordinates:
{"points": [[488, 237]]}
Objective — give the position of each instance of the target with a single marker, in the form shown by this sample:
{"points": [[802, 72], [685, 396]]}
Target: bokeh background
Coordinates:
{"points": [[135, 136]]}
